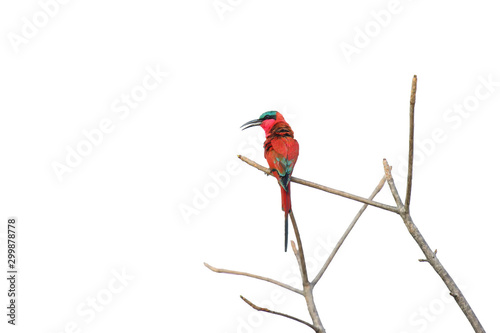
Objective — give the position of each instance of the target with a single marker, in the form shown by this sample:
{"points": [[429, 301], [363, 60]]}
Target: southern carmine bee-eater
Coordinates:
{"points": [[281, 151]]}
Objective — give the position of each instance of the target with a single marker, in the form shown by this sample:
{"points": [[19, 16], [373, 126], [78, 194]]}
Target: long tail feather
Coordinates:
{"points": [[286, 205], [286, 231]]}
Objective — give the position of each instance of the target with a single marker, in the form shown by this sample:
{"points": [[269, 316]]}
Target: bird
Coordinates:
{"points": [[281, 151]]}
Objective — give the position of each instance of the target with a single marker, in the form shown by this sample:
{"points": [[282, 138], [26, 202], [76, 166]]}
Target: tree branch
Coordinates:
{"points": [[308, 288], [258, 308], [300, 255], [410, 149], [430, 256], [324, 188], [346, 233], [258, 277]]}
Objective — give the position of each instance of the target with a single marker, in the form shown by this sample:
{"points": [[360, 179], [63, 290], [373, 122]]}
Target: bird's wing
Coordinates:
{"points": [[282, 158]]}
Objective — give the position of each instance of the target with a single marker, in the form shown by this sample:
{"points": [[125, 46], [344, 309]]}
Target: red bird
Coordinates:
{"points": [[281, 151]]}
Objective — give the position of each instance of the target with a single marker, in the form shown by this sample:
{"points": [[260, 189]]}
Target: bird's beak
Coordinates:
{"points": [[251, 123]]}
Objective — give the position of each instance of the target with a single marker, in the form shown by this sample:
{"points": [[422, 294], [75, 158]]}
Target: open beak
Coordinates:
{"points": [[251, 123]]}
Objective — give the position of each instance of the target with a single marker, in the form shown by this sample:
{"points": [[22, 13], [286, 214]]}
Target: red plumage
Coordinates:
{"points": [[281, 151]]}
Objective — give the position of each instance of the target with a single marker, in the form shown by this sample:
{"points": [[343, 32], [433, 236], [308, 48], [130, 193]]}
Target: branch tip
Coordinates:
{"points": [[410, 141], [387, 170], [413, 89], [258, 308], [254, 276]]}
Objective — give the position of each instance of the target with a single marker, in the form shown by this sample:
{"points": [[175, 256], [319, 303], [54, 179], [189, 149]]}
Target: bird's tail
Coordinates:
{"points": [[286, 205]]}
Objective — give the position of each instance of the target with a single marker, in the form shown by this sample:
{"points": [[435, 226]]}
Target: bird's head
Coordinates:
{"points": [[266, 121]]}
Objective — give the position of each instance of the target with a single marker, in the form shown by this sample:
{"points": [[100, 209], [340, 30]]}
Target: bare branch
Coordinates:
{"points": [[410, 150], [346, 233], [324, 188], [300, 252], [308, 288], [430, 256], [258, 277], [258, 308], [297, 256], [311, 307]]}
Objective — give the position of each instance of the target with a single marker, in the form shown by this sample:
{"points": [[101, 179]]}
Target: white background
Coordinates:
{"points": [[133, 206]]}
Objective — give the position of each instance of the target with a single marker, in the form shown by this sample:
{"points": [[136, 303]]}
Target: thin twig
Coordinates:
{"points": [[430, 256], [392, 186], [410, 150], [294, 249], [297, 256], [324, 188], [258, 277], [258, 308], [301, 258], [346, 233]]}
